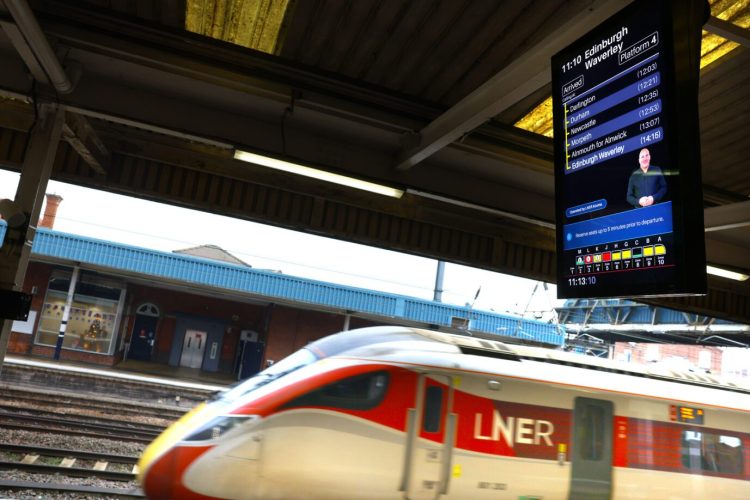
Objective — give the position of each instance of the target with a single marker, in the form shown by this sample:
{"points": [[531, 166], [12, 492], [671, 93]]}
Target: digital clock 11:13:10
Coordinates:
{"points": [[582, 281]]}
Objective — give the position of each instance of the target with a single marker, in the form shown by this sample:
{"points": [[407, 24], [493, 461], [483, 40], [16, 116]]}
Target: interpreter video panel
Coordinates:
{"points": [[625, 103]]}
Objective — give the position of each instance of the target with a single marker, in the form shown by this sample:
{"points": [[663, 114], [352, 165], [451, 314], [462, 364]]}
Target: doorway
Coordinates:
{"points": [[143, 336]]}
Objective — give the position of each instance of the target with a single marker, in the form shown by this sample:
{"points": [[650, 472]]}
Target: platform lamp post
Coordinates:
{"points": [[66, 312], [439, 279]]}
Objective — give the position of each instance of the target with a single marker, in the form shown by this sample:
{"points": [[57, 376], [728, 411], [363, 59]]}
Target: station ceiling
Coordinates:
{"points": [[419, 95]]}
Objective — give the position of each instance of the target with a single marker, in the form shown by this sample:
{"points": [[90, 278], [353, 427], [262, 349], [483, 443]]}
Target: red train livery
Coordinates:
{"points": [[392, 412]]}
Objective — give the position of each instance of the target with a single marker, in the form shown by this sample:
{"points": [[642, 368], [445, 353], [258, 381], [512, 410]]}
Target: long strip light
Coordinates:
{"points": [[724, 273], [322, 175]]}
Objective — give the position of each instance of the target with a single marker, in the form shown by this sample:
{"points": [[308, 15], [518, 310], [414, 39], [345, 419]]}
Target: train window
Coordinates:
{"points": [[433, 409], [706, 451], [362, 392], [592, 432]]}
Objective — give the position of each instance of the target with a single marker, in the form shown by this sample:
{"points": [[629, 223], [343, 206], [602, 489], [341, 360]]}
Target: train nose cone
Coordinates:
{"points": [[158, 480], [164, 479], [217, 472], [163, 462]]}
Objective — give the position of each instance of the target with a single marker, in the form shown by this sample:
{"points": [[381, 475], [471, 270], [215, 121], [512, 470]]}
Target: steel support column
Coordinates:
{"points": [[35, 173]]}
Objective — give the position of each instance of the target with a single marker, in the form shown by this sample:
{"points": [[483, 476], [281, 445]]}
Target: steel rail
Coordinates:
{"points": [[69, 488], [88, 403], [89, 419], [66, 452], [74, 432], [68, 471], [79, 423]]}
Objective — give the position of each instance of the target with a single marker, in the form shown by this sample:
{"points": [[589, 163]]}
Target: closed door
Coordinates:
{"points": [[430, 439], [193, 348], [591, 453]]}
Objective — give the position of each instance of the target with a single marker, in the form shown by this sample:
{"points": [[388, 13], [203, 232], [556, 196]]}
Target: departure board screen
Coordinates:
{"points": [[687, 414], [621, 106]]}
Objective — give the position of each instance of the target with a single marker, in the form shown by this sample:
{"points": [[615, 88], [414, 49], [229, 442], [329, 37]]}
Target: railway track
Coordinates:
{"points": [[121, 387], [37, 487], [91, 421], [73, 427], [68, 462], [45, 462], [74, 401], [42, 421], [89, 413]]}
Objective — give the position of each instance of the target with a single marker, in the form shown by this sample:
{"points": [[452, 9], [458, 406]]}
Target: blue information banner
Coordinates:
{"points": [[584, 208], [636, 223], [628, 92], [614, 125], [616, 149]]}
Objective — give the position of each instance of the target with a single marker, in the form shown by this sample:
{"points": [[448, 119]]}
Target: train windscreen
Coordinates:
{"points": [[317, 350]]}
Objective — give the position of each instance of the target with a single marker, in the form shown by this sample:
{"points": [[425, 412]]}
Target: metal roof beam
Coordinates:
{"points": [[728, 30], [729, 216], [77, 132], [528, 73]]}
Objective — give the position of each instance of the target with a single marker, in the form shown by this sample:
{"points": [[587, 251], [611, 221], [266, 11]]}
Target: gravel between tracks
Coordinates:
{"points": [[58, 441], [15, 475], [73, 442]]}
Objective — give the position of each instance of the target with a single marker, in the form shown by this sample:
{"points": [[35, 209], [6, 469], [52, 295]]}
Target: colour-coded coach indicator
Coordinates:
{"points": [[589, 140]]}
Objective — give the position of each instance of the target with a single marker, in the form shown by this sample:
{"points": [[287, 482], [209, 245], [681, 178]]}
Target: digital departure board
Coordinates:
{"points": [[629, 205]]}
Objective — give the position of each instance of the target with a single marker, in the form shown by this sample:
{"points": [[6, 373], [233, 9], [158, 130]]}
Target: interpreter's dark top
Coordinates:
{"points": [[651, 183]]}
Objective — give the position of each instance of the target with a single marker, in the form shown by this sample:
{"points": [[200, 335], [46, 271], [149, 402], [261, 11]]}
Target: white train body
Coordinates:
{"points": [[392, 412]]}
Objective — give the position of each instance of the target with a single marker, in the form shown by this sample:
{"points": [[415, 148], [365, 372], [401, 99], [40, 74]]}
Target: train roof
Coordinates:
{"points": [[375, 339]]}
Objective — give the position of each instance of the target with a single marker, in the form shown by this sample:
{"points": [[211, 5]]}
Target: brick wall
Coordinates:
{"points": [[679, 354], [291, 329], [76, 356]]}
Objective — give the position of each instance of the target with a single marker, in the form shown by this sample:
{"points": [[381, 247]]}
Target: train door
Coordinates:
{"points": [[591, 450], [430, 439], [192, 349]]}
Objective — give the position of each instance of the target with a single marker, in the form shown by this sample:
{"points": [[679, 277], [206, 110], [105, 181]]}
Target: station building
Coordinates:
{"points": [[203, 308]]}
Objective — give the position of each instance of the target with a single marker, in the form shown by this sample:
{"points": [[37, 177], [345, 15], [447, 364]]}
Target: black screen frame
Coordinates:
{"points": [[680, 28]]}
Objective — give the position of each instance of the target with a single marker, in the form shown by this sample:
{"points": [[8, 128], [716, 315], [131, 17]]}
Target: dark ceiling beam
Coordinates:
{"points": [[33, 47], [231, 119], [728, 30], [727, 254], [83, 139], [525, 75], [727, 216]]}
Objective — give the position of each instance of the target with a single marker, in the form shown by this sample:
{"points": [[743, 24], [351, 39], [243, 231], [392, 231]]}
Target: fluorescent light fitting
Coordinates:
{"points": [[322, 175], [717, 271]]}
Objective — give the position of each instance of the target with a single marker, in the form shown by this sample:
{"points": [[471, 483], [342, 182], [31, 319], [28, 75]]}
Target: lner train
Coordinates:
{"points": [[392, 412]]}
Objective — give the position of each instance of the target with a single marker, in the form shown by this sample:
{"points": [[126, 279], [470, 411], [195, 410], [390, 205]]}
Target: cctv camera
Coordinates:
{"points": [[12, 213]]}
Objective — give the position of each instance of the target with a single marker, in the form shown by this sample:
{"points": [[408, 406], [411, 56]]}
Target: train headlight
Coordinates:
{"points": [[219, 426]]}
